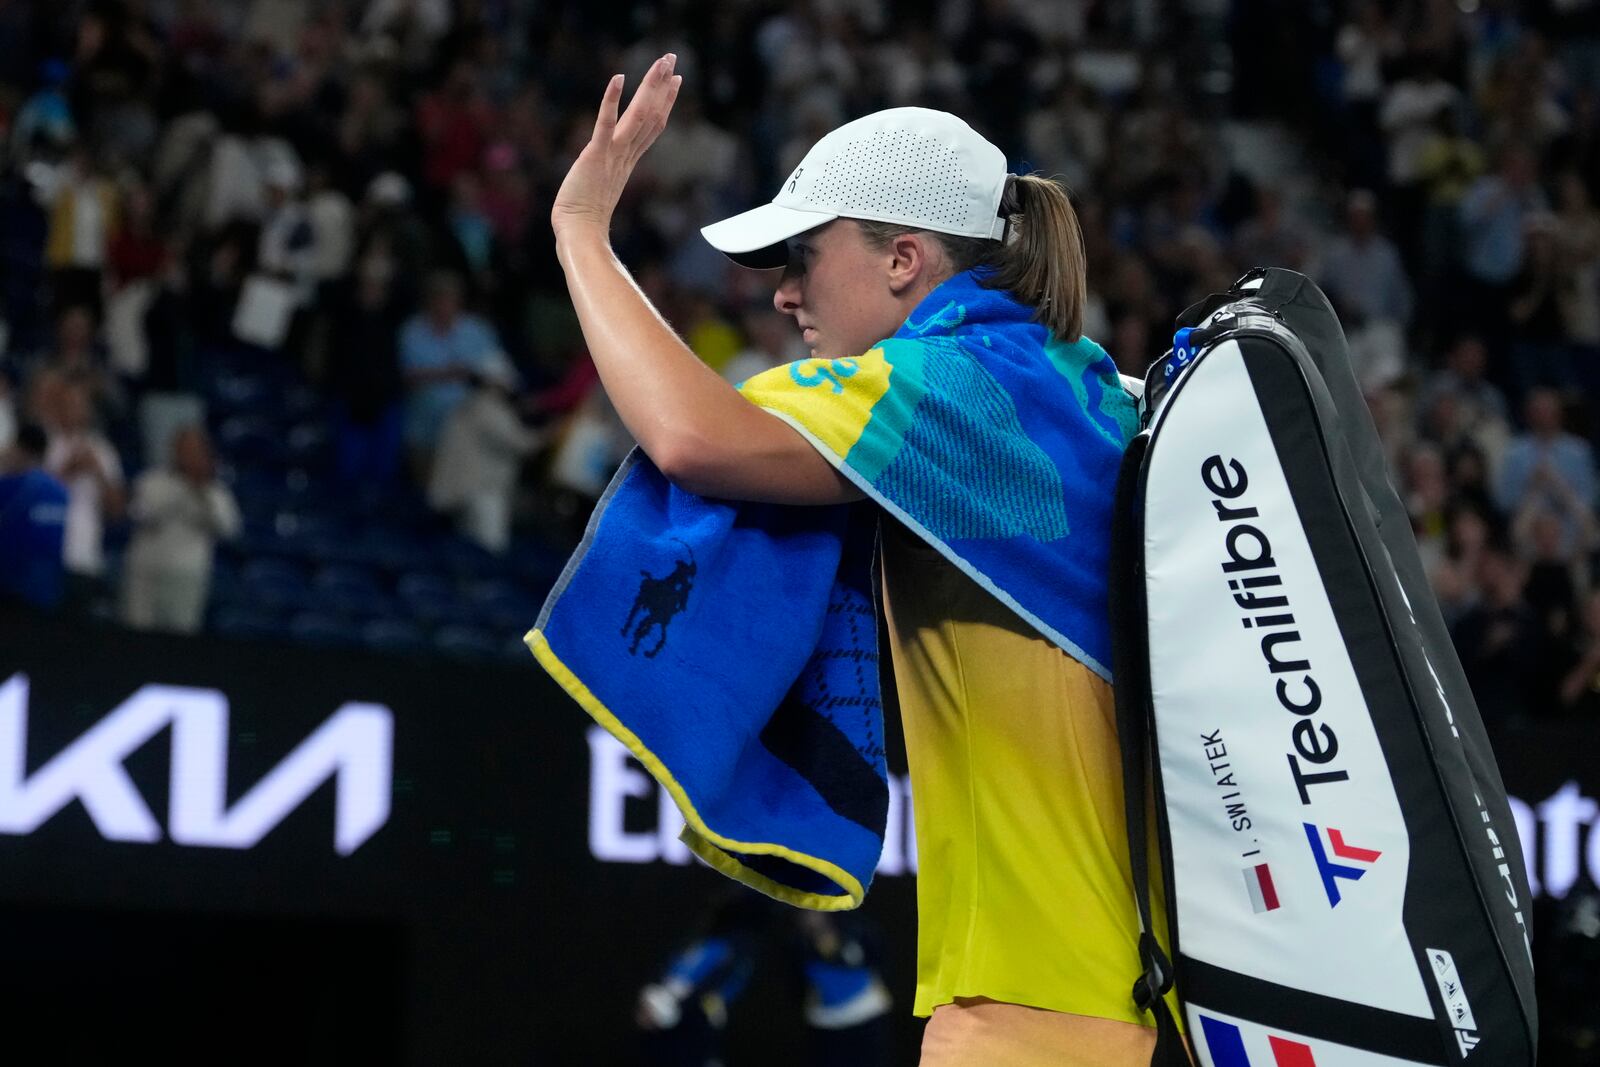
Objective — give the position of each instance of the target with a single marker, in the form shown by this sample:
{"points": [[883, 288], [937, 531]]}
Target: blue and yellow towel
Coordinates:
{"points": [[733, 646]]}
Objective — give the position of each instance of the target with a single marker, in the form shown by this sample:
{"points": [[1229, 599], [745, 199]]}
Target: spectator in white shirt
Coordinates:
{"points": [[81, 457], [179, 513], [480, 455]]}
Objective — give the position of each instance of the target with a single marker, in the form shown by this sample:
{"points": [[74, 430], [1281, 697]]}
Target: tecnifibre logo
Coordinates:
{"points": [[354, 746]]}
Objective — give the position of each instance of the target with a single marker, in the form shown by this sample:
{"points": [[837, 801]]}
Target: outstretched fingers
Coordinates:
{"points": [[605, 122], [666, 108], [645, 114]]}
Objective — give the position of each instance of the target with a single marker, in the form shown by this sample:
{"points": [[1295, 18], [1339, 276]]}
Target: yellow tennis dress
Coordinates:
{"points": [[1024, 892]]}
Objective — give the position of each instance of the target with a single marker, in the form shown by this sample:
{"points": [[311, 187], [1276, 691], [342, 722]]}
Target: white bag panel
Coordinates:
{"points": [[1234, 803]]}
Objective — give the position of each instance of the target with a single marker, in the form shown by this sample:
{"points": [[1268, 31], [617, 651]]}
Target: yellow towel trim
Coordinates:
{"points": [[704, 842]]}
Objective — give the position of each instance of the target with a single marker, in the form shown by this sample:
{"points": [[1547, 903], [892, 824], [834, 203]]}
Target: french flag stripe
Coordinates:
{"points": [[1291, 1053], [1225, 1043]]}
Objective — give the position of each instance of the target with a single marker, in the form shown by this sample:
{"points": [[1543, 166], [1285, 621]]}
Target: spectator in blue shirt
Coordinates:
{"points": [[33, 520], [1364, 277], [1493, 216], [1547, 466], [682, 1015], [441, 349], [847, 1003]]}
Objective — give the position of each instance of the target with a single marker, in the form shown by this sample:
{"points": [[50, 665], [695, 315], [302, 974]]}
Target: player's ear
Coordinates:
{"points": [[909, 257]]}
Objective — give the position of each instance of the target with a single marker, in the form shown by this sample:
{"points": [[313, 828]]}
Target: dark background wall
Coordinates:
{"points": [[473, 926]]}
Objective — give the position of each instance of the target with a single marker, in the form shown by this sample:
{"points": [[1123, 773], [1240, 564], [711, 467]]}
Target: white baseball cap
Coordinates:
{"points": [[907, 165]]}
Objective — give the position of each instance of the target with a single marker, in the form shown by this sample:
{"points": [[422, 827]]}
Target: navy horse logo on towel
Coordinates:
{"points": [[659, 600]]}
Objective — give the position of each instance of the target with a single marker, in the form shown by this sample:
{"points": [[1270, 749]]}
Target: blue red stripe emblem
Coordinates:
{"points": [[1226, 1044]]}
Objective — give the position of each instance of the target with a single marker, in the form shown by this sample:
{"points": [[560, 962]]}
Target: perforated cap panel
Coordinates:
{"points": [[908, 165], [896, 173]]}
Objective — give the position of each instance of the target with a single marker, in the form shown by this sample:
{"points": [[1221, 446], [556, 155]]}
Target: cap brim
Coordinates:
{"points": [[756, 237]]}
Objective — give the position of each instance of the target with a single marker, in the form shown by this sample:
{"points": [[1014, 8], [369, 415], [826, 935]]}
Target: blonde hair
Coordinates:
{"points": [[1040, 260]]}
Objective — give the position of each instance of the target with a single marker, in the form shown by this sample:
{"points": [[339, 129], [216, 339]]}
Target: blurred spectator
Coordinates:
{"points": [[1067, 136], [1363, 276], [454, 121], [75, 354], [847, 1004], [1474, 408], [368, 131], [1449, 163], [8, 410], [771, 342], [1365, 46], [179, 513], [1409, 117], [1130, 345], [1556, 575], [83, 216], [506, 197], [1426, 494], [480, 454], [390, 218], [682, 1015], [1270, 238], [138, 251], [471, 226], [33, 514], [1468, 468], [1539, 354], [81, 457], [1455, 576], [710, 336], [332, 220], [1580, 682], [363, 374], [45, 118], [1494, 214], [1577, 238], [136, 264], [1546, 466], [440, 349], [287, 248], [687, 165], [1500, 644]]}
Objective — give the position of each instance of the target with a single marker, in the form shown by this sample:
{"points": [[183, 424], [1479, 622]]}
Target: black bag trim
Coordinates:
{"points": [[1406, 1037]]}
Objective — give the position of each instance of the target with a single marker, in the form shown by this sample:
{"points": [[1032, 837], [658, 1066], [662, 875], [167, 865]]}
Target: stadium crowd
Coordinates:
{"points": [[287, 351]]}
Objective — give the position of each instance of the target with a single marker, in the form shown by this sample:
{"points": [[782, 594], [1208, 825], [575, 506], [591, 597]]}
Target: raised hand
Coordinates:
{"points": [[591, 189]]}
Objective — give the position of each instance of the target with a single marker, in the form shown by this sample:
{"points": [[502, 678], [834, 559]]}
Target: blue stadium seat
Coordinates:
{"points": [[275, 583], [465, 558], [351, 591], [243, 623], [515, 650], [394, 635], [324, 631], [250, 439], [432, 598], [393, 550], [501, 604], [537, 563], [467, 642], [235, 393]]}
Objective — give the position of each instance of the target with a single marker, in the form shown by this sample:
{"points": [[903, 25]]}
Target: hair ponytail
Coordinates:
{"points": [[1040, 260]]}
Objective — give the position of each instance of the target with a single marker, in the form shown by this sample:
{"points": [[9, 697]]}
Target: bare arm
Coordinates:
{"points": [[694, 426]]}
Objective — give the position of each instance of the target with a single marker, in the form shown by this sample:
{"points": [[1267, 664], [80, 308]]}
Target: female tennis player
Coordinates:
{"points": [[906, 224]]}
